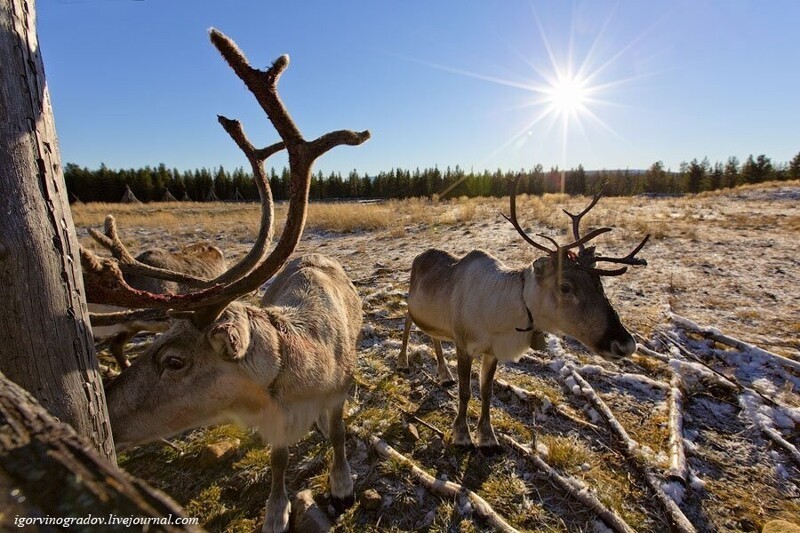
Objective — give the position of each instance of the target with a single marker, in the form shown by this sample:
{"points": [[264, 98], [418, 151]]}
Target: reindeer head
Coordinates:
{"points": [[198, 372], [568, 291]]}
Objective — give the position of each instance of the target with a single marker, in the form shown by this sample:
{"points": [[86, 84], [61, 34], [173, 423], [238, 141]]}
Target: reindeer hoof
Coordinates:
{"points": [[403, 370], [447, 383], [342, 504], [492, 450]]}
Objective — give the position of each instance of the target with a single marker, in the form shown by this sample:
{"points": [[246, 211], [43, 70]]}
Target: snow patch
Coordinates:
{"points": [[695, 482], [592, 370], [674, 490]]}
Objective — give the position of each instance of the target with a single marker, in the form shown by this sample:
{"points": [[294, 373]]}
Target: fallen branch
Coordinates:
{"points": [[422, 422], [529, 395], [718, 336], [445, 489], [574, 487], [678, 469], [632, 453], [732, 381], [706, 374], [644, 350], [750, 405], [778, 439], [623, 376]]}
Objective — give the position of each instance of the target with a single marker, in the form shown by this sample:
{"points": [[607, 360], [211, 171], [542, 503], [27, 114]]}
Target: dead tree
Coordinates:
{"points": [[45, 341]]}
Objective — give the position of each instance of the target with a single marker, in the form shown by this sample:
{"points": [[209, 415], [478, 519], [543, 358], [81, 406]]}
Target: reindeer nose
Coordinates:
{"points": [[624, 348]]}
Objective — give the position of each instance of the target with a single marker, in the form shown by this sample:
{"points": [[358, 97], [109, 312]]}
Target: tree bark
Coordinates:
{"points": [[47, 471], [45, 339]]}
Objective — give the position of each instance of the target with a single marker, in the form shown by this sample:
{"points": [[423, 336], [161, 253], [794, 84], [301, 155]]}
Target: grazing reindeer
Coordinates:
{"points": [[278, 367], [489, 309], [202, 259]]}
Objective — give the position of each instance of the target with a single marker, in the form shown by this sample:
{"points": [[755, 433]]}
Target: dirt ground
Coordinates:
{"points": [[726, 260]]}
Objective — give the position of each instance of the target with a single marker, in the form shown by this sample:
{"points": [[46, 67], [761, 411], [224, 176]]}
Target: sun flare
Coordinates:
{"points": [[567, 96]]}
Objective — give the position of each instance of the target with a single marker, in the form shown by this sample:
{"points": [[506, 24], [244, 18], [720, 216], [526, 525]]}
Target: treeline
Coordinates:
{"points": [[152, 183]]}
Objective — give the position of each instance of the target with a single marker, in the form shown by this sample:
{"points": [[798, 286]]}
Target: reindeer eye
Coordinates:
{"points": [[173, 363], [565, 288]]}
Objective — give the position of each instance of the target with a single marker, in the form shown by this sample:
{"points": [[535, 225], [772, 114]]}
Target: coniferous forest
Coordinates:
{"points": [[150, 184]]}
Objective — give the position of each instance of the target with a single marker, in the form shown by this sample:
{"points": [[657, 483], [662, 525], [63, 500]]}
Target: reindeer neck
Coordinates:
{"points": [[531, 295]]}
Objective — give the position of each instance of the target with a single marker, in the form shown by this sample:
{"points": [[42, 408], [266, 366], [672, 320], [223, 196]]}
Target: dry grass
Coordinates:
{"points": [[720, 259], [566, 452]]}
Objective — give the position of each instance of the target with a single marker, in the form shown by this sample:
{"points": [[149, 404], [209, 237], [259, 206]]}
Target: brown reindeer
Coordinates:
{"points": [[489, 309], [278, 367], [200, 259]]}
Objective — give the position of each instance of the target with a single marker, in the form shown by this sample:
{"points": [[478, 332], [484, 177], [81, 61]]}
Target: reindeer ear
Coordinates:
{"points": [[541, 267], [587, 257], [230, 336]]}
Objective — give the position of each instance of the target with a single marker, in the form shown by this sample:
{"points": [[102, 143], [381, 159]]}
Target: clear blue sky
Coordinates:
{"points": [[438, 83]]}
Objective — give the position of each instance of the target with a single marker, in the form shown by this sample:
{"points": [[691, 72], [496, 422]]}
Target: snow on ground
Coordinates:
{"points": [[726, 262]]}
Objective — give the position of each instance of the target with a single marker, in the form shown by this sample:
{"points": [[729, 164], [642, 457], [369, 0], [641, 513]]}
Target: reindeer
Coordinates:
{"points": [[278, 367], [200, 259], [489, 309]]}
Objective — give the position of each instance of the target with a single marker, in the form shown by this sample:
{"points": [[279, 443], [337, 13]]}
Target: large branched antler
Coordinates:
{"points": [[128, 264], [103, 277], [585, 259]]}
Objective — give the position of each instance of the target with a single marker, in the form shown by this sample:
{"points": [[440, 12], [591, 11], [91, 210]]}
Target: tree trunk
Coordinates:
{"points": [[48, 472], [45, 339]]}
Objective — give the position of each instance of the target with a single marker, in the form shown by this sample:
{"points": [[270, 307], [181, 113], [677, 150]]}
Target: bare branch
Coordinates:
{"points": [[529, 396], [778, 439], [711, 333], [446, 489], [572, 486], [631, 450], [678, 469]]}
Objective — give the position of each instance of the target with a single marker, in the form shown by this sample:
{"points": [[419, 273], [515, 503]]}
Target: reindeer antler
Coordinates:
{"points": [[103, 277], [130, 265], [585, 257]]}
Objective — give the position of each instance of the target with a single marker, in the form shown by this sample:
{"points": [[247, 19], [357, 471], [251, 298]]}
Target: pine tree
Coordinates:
{"points": [[794, 168], [655, 178], [731, 172]]}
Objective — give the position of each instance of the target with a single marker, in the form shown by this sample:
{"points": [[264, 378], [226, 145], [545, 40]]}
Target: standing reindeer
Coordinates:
{"points": [[279, 367], [489, 309]]}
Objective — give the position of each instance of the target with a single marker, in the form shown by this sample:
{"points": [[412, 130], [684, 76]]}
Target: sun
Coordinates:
{"points": [[567, 96]]}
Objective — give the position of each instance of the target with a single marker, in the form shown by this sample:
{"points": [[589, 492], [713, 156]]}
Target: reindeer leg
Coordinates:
{"points": [[445, 377], [487, 441], [341, 482], [278, 506], [323, 424], [460, 426], [117, 347], [402, 359]]}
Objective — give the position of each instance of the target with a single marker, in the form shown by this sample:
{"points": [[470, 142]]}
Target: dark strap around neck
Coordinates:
{"points": [[530, 316], [530, 321]]}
